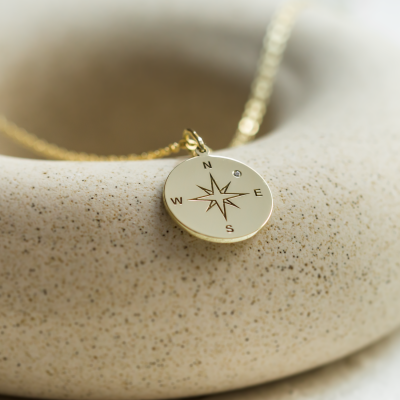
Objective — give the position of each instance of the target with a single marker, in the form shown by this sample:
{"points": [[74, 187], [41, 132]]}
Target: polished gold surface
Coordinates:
{"points": [[218, 199], [274, 44]]}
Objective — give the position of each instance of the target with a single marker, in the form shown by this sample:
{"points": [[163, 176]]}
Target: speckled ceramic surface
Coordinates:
{"points": [[102, 296], [367, 375]]}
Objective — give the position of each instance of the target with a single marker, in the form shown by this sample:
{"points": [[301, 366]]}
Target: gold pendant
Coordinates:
{"points": [[217, 198]]}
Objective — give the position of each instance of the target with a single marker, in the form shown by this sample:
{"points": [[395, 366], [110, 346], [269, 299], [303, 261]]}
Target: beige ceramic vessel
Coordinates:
{"points": [[103, 296]]}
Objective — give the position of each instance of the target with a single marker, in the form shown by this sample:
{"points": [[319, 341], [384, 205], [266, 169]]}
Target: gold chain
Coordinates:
{"points": [[274, 45]]}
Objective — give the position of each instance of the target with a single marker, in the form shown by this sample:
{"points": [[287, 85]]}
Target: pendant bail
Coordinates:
{"points": [[194, 143]]}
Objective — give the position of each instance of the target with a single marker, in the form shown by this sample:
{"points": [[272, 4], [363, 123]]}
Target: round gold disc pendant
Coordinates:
{"points": [[218, 199]]}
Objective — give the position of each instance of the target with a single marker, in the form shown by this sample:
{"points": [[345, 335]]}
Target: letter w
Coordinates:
{"points": [[177, 200]]}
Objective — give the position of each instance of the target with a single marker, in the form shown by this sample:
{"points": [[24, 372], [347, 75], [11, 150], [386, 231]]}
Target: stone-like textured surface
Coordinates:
{"points": [[368, 375], [102, 296]]}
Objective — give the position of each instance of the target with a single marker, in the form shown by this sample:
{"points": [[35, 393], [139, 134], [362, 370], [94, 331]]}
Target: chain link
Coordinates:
{"points": [[54, 152], [274, 45]]}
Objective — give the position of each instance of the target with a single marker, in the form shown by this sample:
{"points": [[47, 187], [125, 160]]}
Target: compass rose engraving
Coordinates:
{"points": [[218, 197]]}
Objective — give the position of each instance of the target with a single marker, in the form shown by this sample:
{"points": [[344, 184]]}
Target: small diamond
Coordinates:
{"points": [[237, 174]]}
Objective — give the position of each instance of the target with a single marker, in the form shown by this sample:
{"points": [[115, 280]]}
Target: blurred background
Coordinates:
{"points": [[128, 76]]}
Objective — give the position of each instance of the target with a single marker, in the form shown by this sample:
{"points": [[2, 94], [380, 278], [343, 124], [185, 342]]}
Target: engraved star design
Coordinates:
{"points": [[218, 197]]}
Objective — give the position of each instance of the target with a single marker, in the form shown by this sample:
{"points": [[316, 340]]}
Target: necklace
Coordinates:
{"points": [[214, 198]]}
